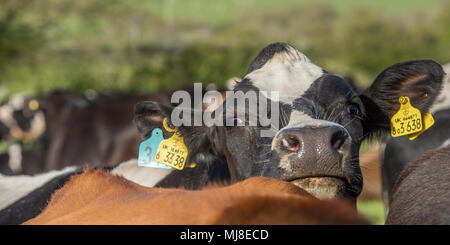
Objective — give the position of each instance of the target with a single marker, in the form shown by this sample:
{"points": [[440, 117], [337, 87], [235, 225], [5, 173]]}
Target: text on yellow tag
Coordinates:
{"points": [[428, 121], [172, 152], [407, 120]]}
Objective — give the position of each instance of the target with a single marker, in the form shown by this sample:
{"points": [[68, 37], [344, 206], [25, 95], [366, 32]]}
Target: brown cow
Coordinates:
{"points": [[63, 125], [421, 193], [98, 197], [102, 129]]}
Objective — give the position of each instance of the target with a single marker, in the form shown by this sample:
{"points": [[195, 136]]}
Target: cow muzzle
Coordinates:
{"points": [[317, 159]]}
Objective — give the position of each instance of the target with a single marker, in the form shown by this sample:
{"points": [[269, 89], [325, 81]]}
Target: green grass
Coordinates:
{"points": [[219, 11], [398, 6], [373, 210]]}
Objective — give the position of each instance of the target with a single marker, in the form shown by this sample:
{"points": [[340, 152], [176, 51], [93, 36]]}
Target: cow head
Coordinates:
{"points": [[21, 119], [322, 121]]}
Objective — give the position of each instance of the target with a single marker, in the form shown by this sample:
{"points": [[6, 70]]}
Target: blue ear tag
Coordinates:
{"points": [[148, 148]]}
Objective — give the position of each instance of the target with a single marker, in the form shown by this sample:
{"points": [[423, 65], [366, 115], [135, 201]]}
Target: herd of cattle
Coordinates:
{"points": [[71, 160]]}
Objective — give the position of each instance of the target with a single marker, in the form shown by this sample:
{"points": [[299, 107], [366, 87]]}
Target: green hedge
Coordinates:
{"points": [[92, 46]]}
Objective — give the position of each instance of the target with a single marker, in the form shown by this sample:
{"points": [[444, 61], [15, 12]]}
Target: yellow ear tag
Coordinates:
{"points": [[407, 120], [428, 121], [33, 105], [172, 151]]}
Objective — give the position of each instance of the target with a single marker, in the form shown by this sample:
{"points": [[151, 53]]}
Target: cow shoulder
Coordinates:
{"points": [[421, 189]]}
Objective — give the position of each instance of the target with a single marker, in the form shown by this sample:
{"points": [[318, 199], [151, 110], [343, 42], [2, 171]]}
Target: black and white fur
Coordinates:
{"points": [[19, 123], [23, 197]]}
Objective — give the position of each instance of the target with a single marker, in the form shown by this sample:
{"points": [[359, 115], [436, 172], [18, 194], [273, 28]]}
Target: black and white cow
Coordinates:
{"points": [[323, 121], [25, 196], [397, 152], [21, 119], [22, 197], [22, 123]]}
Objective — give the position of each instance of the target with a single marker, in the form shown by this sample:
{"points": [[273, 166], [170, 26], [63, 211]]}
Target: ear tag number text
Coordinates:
{"points": [[407, 120], [172, 151], [428, 121]]}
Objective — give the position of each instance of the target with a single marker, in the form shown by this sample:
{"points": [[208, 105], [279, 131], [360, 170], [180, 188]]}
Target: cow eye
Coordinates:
{"points": [[353, 110]]}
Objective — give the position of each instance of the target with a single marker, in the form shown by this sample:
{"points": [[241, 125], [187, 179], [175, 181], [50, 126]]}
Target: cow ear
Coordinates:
{"points": [[149, 115], [420, 80]]}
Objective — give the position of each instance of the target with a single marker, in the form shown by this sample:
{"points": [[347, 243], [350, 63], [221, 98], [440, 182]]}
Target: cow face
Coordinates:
{"points": [[21, 119], [322, 121]]}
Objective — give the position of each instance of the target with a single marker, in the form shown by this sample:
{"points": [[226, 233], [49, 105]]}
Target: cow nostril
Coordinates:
{"points": [[290, 143], [337, 139]]}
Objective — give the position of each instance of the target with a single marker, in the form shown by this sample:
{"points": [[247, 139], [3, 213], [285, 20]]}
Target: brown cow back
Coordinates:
{"points": [[97, 197]]}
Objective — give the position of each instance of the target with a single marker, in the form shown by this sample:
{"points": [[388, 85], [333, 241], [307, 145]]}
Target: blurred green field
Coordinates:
{"points": [[150, 46], [373, 210], [218, 12]]}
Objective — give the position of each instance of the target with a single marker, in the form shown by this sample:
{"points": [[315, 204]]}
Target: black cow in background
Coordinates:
{"points": [[66, 130], [397, 152], [421, 194], [99, 132]]}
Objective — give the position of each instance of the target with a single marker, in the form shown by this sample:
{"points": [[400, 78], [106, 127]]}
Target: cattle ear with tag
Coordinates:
{"points": [[149, 115], [419, 80]]}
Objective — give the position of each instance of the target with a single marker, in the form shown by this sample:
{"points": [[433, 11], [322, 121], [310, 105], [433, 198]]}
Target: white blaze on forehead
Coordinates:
{"points": [[290, 73]]}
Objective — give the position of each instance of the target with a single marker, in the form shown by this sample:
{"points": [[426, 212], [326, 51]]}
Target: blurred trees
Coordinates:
{"points": [[19, 36], [131, 46]]}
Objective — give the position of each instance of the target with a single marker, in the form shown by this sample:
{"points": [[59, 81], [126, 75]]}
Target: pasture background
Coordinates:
{"points": [[150, 46], [141, 47]]}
